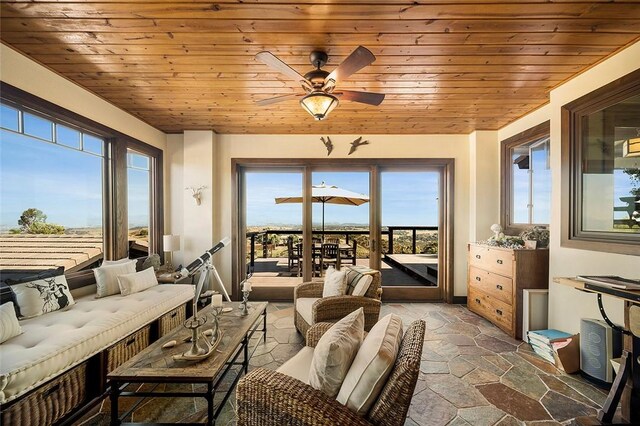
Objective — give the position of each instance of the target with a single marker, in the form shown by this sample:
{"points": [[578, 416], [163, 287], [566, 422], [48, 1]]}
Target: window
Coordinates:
{"points": [[526, 179], [601, 192], [62, 188]]}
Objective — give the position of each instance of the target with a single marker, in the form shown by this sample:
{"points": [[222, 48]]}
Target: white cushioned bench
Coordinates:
{"points": [[55, 342]]}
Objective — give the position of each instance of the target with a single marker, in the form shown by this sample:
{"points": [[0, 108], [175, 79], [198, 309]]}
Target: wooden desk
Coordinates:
{"points": [[626, 387]]}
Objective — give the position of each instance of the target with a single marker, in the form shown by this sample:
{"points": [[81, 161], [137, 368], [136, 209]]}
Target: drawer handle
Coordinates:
{"points": [[499, 261], [52, 389], [499, 312], [477, 300], [173, 315], [498, 286], [130, 341], [478, 256], [478, 279]]}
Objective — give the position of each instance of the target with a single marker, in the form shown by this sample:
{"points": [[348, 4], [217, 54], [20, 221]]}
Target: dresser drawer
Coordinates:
{"points": [[492, 284], [126, 348], [491, 308], [494, 260]]}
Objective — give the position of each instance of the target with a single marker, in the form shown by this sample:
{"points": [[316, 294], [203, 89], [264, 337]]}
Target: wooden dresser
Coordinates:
{"points": [[495, 281]]}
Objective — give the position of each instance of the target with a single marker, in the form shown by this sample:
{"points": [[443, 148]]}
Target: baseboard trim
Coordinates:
{"points": [[459, 300]]}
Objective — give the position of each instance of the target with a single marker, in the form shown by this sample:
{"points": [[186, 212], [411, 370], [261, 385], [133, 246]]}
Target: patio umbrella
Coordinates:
{"points": [[328, 194]]}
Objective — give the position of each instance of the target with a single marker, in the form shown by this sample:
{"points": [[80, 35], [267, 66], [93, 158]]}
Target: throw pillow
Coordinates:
{"points": [[334, 283], [7, 295], [115, 262], [41, 296], [107, 277], [359, 280], [9, 325], [372, 365], [335, 352], [137, 281]]}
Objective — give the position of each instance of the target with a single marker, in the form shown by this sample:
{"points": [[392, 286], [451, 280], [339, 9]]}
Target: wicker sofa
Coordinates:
{"points": [[268, 397], [58, 365], [311, 308]]}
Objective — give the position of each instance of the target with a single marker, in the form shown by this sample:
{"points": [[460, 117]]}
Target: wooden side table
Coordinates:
{"points": [[626, 386]]}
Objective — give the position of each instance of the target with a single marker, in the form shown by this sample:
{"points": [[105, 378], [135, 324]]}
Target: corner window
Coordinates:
{"points": [[601, 148], [526, 179], [138, 202]]}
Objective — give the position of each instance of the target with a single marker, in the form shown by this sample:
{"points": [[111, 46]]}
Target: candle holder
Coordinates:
{"points": [[215, 314], [194, 325], [244, 304]]}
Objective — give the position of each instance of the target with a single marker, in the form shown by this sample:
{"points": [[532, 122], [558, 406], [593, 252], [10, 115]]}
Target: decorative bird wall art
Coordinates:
{"points": [[354, 145]]}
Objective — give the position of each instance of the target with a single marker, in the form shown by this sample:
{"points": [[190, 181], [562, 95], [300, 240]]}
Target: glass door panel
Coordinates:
{"points": [[273, 228], [139, 202], [410, 216], [340, 215]]}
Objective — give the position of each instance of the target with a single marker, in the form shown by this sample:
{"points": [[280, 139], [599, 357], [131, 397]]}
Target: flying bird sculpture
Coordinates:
{"points": [[328, 144], [355, 144]]}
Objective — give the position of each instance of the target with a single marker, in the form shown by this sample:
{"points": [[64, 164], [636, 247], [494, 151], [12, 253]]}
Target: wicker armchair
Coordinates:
{"points": [[267, 397], [334, 308]]}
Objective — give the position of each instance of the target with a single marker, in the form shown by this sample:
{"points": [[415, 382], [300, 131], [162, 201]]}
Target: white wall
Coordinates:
{"points": [[484, 184], [566, 305]]}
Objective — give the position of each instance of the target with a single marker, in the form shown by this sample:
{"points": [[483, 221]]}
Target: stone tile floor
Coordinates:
{"points": [[471, 374]]}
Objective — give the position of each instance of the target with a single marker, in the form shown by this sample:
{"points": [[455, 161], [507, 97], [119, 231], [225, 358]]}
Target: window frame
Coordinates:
{"points": [[533, 134], [115, 229], [572, 115]]}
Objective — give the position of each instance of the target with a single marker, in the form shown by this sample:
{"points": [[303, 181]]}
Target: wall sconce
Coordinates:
{"points": [[196, 193]]}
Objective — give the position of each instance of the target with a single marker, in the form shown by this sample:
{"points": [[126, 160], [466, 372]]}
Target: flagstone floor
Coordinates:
{"points": [[471, 373]]}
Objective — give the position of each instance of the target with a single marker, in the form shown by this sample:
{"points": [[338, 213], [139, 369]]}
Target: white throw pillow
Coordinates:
{"points": [[107, 277], [41, 296], [334, 283], [138, 281], [115, 262], [9, 325], [335, 352], [372, 365]]}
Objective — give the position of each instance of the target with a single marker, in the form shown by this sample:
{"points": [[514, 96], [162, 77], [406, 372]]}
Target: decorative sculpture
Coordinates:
{"points": [[196, 193], [328, 144], [356, 143]]}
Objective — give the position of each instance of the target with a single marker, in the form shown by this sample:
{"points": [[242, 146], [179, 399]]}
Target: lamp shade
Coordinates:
{"points": [[319, 104], [631, 147], [171, 242]]}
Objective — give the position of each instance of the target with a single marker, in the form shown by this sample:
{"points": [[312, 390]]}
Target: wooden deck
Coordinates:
{"points": [[35, 251], [273, 272]]}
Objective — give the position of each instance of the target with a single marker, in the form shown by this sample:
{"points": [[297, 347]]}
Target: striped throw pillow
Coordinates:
{"points": [[359, 278]]}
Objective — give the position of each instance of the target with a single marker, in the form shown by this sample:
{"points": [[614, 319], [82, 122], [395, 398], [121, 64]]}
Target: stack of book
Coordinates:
{"points": [[547, 343]]}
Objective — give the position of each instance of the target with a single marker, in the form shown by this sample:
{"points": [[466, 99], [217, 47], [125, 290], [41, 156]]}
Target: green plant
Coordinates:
{"points": [[634, 175], [33, 221], [536, 233]]}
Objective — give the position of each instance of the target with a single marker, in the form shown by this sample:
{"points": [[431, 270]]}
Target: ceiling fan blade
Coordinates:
{"points": [[359, 58], [269, 101], [362, 97], [276, 63]]}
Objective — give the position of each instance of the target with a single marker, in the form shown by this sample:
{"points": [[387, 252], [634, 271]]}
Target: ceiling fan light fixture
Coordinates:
{"points": [[319, 104]]}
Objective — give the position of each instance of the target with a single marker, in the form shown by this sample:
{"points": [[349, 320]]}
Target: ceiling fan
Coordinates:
{"points": [[320, 98]]}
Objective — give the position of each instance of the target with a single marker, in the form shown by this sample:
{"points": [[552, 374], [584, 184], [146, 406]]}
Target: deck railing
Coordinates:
{"points": [[262, 237]]}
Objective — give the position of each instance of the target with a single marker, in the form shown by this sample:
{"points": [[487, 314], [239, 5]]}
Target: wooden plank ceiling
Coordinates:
{"points": [[445, 66]]}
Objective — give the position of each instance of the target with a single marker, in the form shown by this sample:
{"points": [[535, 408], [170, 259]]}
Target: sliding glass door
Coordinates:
{"points": [[296, 220]]}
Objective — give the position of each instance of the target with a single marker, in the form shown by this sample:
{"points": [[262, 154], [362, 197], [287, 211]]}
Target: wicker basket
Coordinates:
{"points": [[126, 348], [51, 402], [171, 320]]}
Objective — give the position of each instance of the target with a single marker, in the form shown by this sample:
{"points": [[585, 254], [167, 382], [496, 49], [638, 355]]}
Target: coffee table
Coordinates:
{"points": [[155, 365]]}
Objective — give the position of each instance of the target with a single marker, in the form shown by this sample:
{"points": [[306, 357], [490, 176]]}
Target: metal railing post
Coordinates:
{"points": [[415, 236], [390, 240]]}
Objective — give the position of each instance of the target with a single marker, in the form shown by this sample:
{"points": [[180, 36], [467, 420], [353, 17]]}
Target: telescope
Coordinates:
{"points": [[205, 261]]}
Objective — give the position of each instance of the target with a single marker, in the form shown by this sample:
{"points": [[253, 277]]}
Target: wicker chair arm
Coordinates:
{"points": [[308, 289], [316, 332], [267, 397], [334, 308]]}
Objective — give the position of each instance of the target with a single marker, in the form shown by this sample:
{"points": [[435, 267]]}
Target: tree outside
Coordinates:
{"points": [[34, 221]]}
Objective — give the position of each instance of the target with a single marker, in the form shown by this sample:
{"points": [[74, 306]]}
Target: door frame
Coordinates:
{"points": [[446, 167]]}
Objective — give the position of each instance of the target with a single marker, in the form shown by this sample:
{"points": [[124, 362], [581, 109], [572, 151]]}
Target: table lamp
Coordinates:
{"points": [[170, 243]]}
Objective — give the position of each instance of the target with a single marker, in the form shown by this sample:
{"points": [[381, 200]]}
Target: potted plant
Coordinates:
{"points": [[535, 237]]}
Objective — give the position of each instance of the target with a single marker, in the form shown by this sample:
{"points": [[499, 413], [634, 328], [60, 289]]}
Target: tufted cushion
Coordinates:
{"points": [[53, 343]]}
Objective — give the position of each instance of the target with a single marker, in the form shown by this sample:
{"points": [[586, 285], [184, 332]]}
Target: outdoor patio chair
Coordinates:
{"points": [[293, 255], [266, 397], [311, 308], [300, 253], [328, 256], [349, 254]]}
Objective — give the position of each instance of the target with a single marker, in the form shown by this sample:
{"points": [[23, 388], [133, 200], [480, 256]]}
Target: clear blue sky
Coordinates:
{"points": [[408, 198], [66, 184]]}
